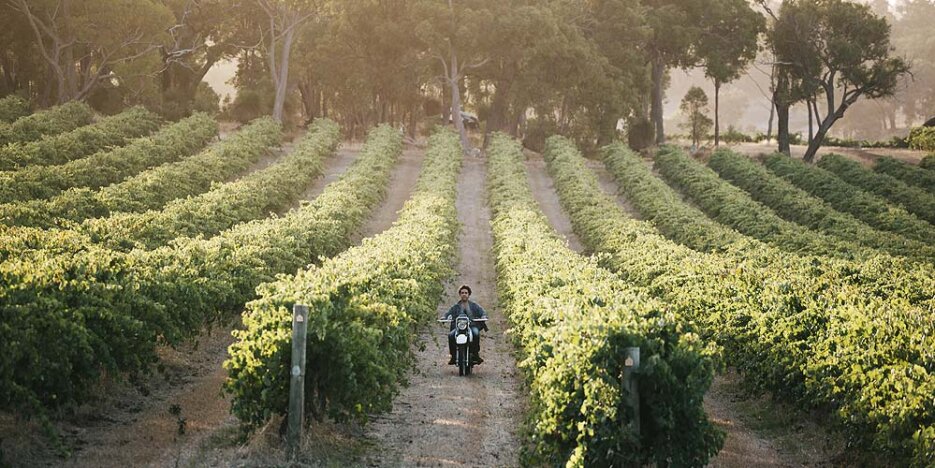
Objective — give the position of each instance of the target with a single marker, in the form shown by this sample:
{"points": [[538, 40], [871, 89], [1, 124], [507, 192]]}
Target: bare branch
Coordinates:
{"points": [[475, 64]]}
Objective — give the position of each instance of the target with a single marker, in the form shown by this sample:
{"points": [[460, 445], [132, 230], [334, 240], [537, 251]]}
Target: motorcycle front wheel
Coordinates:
{"points": [[463, 362]]}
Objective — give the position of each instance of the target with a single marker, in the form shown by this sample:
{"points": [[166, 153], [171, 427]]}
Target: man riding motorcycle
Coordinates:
{"points": [[474, 311]]}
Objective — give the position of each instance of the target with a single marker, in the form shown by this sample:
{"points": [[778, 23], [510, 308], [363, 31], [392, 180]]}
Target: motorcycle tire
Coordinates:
{"points": [[462, 363]]}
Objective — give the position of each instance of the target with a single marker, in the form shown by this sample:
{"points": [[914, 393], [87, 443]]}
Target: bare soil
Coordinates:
{"points": [[544, 192], [333, 168], [402, 182], [225, 129], [220, 445], [762, 432], [442, 419], [606, 180]]}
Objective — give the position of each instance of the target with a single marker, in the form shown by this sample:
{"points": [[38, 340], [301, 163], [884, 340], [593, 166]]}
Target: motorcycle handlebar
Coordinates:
{"points": [[473, 320]]}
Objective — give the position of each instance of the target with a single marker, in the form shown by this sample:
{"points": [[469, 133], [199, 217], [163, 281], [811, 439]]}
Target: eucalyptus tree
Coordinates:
{"points": [[199, 37], [576, 65], [286, 19], [22, 69], [727, 44], [455, 36], [837, 49], [674, 30], [268, 29], [550, 66], [618, 31], [82, 42], [362, 66], [912, 36], [534, 35]]}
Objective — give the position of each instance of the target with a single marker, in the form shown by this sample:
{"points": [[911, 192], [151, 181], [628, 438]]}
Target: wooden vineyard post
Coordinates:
{"points": [[297, 382], [631, 364]]}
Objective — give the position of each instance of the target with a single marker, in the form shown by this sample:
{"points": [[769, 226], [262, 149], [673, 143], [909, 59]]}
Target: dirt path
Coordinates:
{"points": [[742, 447], [332, 170], [268, 158], [606, 180], [213, 449], [544, 192], [402, 183], [442, 419]]}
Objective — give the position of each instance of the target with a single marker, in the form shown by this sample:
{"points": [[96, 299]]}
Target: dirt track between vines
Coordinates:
{"points": [[442, 419]]}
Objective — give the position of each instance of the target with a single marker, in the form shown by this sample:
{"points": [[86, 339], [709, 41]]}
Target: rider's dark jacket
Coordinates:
{"points": [[474, 311]]}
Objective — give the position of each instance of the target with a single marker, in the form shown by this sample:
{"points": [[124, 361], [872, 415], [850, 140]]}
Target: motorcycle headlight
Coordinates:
{"points": [[462, 324]]}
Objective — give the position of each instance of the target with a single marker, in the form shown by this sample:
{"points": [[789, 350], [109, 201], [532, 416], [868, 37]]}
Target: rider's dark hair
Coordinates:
{"points": [[463, 287]]}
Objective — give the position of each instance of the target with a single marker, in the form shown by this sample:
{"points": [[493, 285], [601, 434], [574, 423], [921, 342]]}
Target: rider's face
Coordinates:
{"points": [[464, 294]]}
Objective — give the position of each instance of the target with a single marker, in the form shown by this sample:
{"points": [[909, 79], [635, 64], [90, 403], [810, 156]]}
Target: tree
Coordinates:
{"points": [[22, 69], [455, 36], [274, 26], [361, 67], [615, 28], [535, 35], [846, 56], [727, 43], [912, 36], [694, 106], [197, 40], [674, 30], [83, 42], [573, 63]]}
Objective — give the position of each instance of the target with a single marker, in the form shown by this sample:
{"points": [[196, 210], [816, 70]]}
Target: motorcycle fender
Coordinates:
{"points": [[461, 339]]}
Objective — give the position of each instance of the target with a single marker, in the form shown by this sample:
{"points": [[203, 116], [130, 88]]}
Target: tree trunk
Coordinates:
{"points": [[717, 123], [769, 126], [311, 100], [282, 83], [607, 129], [782, 127], [819, 137], [811, 126], [658, 72], [453, 80], [497, 121], [10, 83], [45, 99], [826, 124], [519, 129], [780, 98], [71, 77]]}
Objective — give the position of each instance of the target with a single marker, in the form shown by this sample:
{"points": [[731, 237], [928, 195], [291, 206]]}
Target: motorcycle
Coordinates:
{"points": [[463, 339]]}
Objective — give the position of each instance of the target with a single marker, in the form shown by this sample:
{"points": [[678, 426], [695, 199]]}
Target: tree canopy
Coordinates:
{"points": [[592, 70], [847, 55]]}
